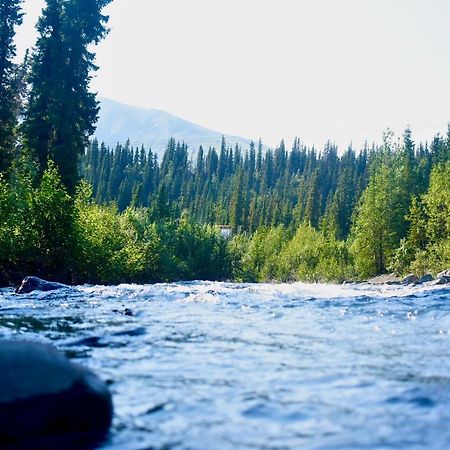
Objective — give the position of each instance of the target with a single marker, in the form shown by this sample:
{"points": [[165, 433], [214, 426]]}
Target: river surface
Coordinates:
{"points": [[206, 366]]}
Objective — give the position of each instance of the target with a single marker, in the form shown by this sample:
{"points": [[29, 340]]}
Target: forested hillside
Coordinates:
{"points": [[297, 213], [252, 188], [244, 188], [374, 204]]}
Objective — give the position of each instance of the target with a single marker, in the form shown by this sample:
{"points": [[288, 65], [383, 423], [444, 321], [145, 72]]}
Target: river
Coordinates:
{"points": [[206, 366]]}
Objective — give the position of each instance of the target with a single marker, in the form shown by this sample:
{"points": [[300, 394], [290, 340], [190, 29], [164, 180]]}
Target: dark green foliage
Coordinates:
{"points": [[244, 189], [287, 231], [427, 245], [375, 236], [365, 197], [61, 111], [46, 232], [198, 252], [10, 17]]}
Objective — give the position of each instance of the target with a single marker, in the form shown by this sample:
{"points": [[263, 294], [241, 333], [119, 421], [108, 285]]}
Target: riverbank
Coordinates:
{"points": [[31, 283], [74, 240]]}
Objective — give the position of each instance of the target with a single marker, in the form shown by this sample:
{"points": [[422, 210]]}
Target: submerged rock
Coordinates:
{"points": [[30, 284], [48, 402]]}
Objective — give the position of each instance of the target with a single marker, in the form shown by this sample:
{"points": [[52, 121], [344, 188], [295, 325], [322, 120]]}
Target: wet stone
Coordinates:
{"points": [[444, 273], [425, 278], [409, 279], [443, 279], [30, 284], [48, 402]]}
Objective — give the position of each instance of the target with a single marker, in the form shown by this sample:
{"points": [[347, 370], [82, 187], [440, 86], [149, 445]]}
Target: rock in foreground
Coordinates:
{"points": [[48, 402], [30, 284]]}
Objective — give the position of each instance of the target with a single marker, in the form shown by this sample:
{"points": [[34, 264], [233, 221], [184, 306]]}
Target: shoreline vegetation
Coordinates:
{"points": [[73, 239], [75, 211]]}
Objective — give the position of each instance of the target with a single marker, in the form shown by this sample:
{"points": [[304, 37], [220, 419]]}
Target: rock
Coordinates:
{"points": [[125, 312], [30, 284], [443, 279], [389, 278], [409, 279], [48, 402], [444, 273], [425, 278]]}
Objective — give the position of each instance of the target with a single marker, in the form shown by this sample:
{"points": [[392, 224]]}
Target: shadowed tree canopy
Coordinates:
{"points": [[62, 112], [10, 17]]}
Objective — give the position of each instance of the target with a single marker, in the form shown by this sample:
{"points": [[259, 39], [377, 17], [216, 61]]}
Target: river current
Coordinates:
{"points": [[206, 366]]}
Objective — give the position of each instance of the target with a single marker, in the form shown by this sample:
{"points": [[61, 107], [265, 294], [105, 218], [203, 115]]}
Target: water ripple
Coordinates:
{"points": [[203, 365]]}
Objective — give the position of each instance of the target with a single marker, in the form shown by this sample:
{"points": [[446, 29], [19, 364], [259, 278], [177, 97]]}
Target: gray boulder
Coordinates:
{"points": [[409, 279], [48, 402], [30, 284], [443, 279], [387, 278], [425, 278], [444, 273]]}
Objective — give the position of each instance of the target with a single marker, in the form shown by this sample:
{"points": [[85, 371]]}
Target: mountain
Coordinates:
{"points": [[153, 128]]}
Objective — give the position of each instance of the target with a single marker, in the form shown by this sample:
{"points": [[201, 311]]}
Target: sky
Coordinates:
{"points": [[340, 70]]}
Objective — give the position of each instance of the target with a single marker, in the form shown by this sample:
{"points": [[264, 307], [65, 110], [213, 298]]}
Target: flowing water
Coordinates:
{"points": [[241, 366]]}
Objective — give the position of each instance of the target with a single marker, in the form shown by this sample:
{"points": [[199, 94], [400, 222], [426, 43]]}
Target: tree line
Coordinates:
{"points": [[243, 188], [365, 202], [49, 223], [297, 213]]}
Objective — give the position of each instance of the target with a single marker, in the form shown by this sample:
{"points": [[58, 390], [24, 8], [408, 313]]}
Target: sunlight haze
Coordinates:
{"points": [[340, 70]]}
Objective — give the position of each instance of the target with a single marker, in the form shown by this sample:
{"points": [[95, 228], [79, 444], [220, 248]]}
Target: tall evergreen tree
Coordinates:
{"points": [[379, 221], [10, 17], [61, 111], [312, 209]]}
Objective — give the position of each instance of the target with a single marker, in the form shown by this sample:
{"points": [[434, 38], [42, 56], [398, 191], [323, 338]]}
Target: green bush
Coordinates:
{"points": [[310, 256], [37, 225], [260, 260]]}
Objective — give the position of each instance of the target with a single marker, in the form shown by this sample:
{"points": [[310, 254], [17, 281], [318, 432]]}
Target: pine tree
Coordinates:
{"points": [[379, 221], [312, 208], [10, 17], [237, 203], [61, 111]]}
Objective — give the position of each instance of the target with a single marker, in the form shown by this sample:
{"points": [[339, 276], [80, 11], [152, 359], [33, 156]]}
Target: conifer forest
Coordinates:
{"points": [[77, 211]]}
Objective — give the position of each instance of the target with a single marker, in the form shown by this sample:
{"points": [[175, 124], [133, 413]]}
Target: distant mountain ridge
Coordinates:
{"points": [[153, 128]]}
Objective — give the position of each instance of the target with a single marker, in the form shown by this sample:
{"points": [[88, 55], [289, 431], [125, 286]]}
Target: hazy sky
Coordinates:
{"points": [[317, 69]]}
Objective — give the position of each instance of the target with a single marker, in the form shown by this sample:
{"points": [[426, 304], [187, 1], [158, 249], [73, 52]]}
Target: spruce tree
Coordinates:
{"points": [[312, 208], [61, 111], [10, 17]]}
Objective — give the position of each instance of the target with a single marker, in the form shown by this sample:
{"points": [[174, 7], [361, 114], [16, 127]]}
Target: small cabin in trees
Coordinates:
{"points": [[226, 231]]}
